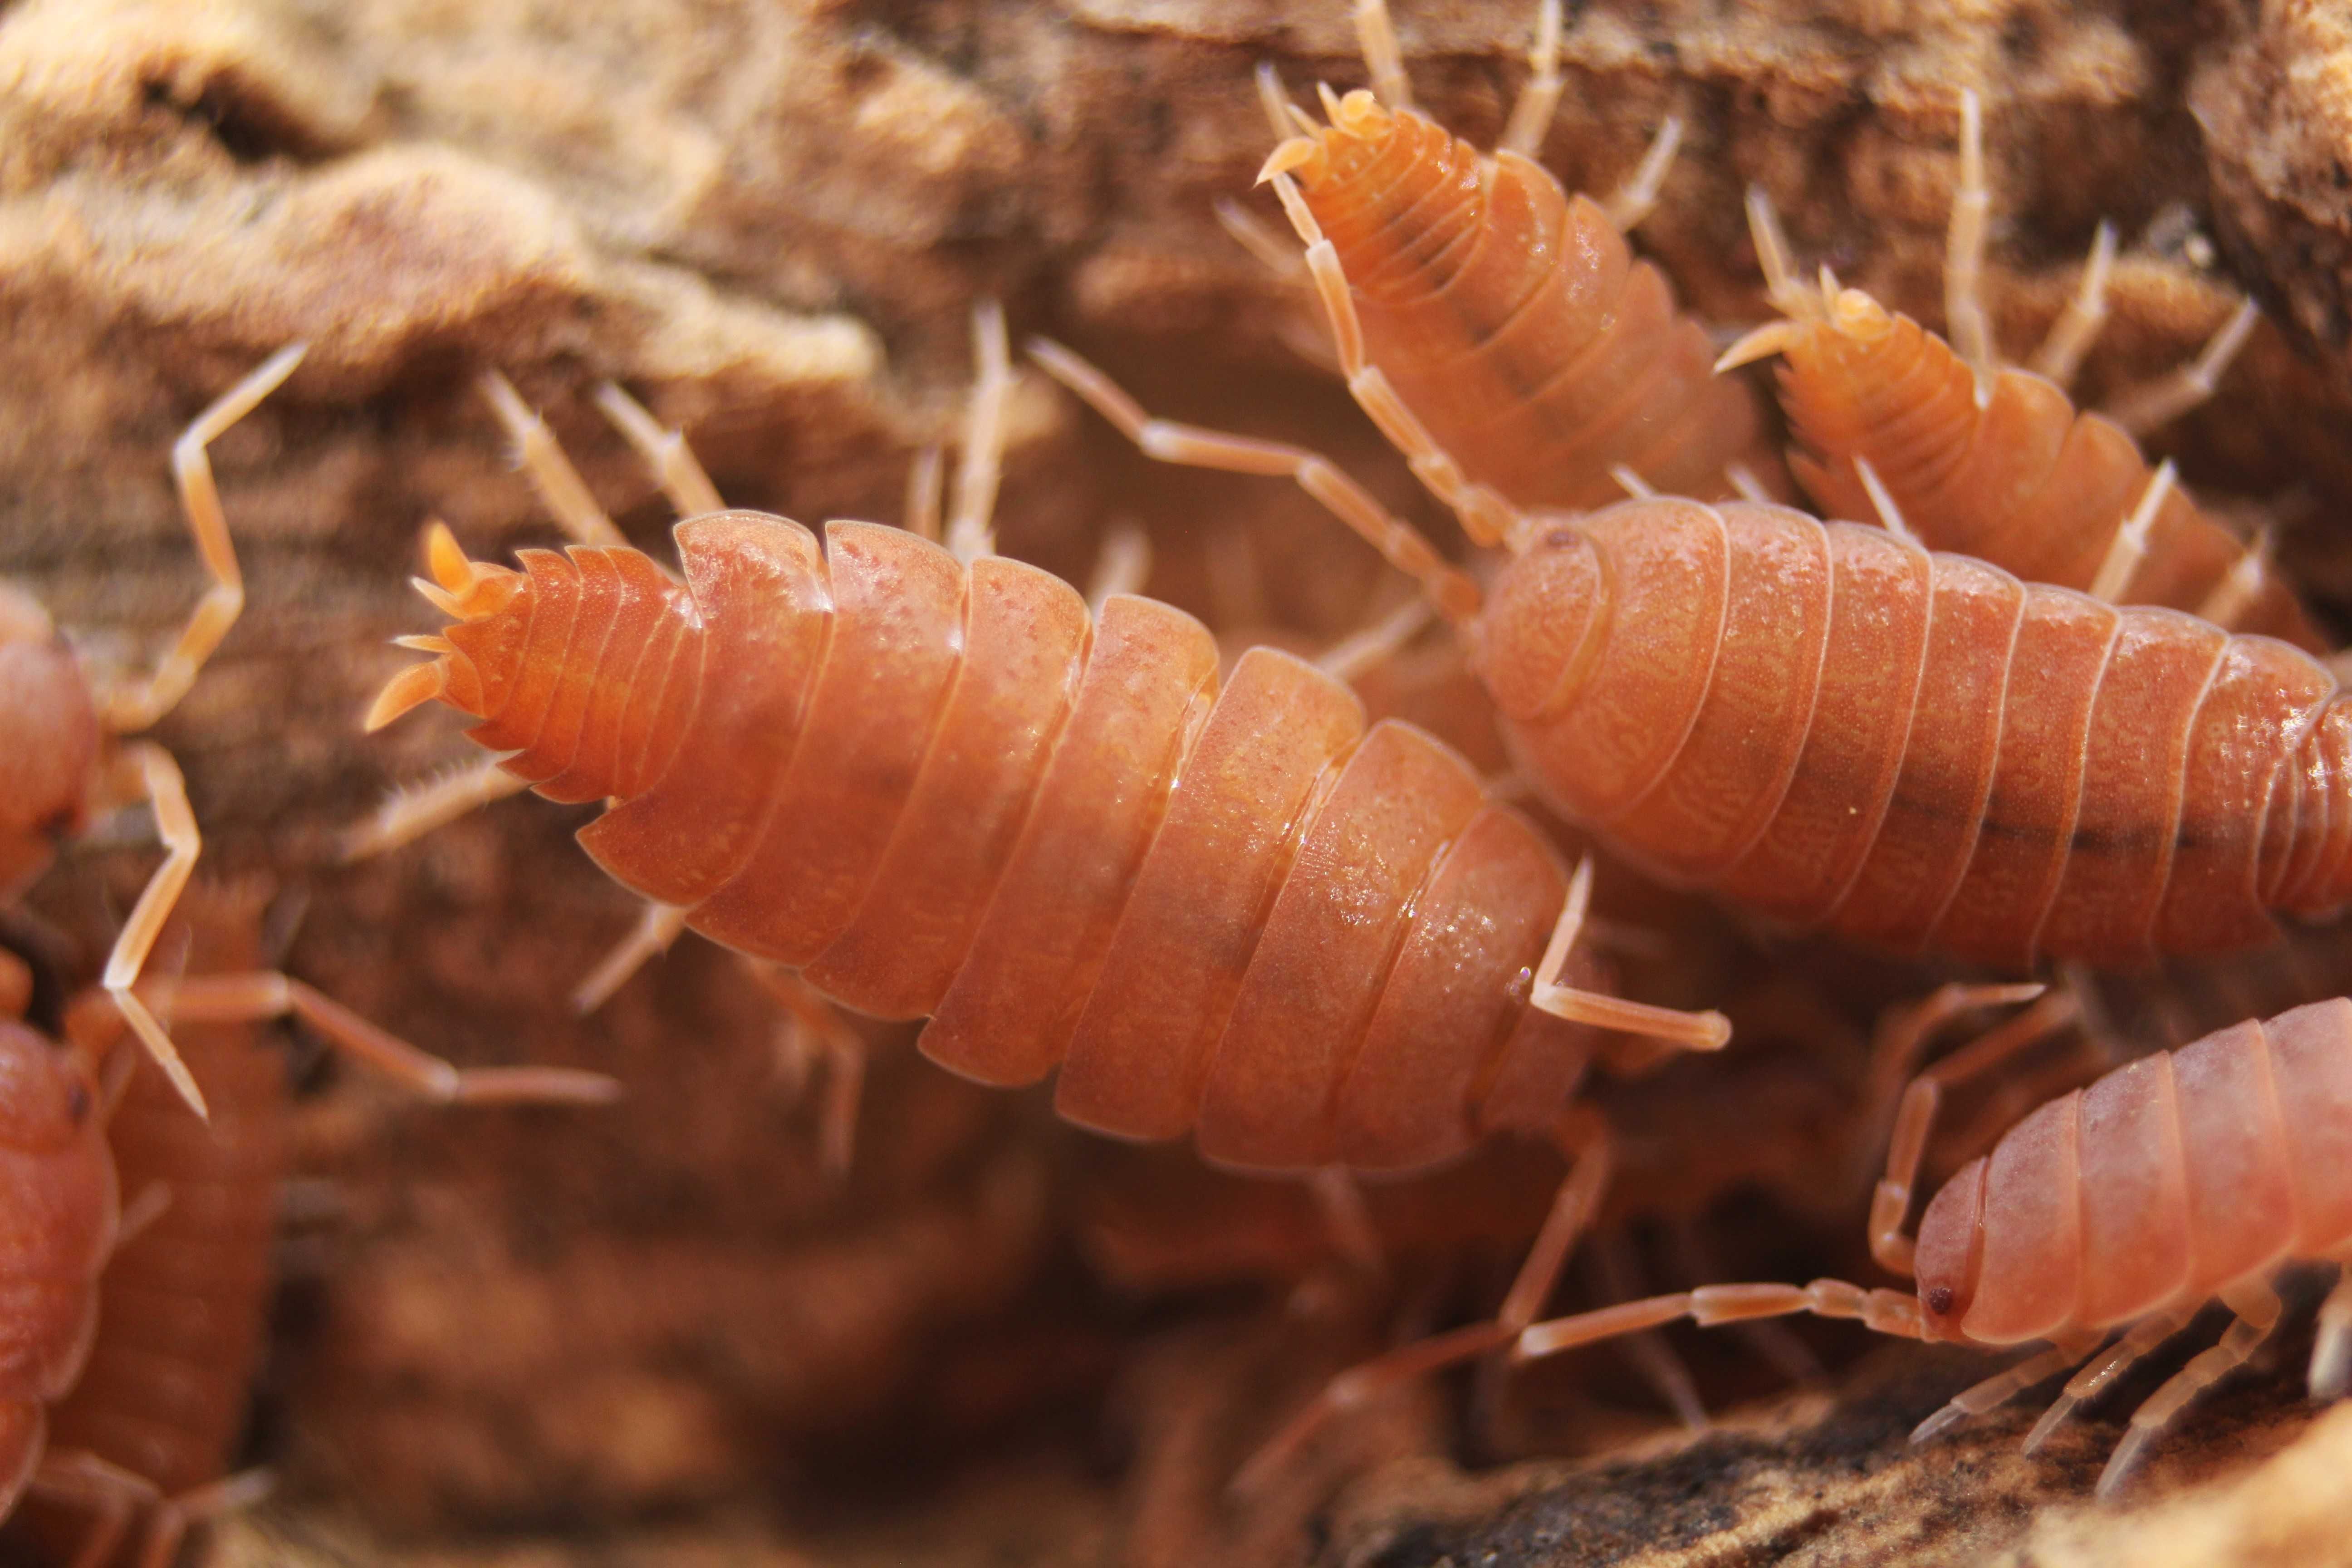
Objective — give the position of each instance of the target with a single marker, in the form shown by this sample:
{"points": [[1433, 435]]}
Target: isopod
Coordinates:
{"points": [[943, 788], [1827, 723], [2183, 1177], [1995, 461], [146, 1334], [1510, 316]]}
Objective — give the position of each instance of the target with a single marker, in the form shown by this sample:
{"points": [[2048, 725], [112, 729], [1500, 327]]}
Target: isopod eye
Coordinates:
{"points": [[44, 1098], [1939, 1299]]}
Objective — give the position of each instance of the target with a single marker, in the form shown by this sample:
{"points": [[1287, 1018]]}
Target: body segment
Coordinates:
{"points": [[943, 790], [1827, 723]]}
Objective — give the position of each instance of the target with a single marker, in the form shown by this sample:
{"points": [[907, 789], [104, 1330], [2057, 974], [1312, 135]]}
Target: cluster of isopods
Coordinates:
{"points": [[2037, 709]]}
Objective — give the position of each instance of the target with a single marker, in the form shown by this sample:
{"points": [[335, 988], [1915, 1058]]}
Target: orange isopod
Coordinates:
{"points": [[2182, 1178], [1995, 461], [1509, 315]]}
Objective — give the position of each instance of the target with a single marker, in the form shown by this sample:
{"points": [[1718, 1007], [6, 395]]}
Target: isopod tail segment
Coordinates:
{"points": [[67, 756], [2186, 1176], [1995, 461], [1468, 280]]}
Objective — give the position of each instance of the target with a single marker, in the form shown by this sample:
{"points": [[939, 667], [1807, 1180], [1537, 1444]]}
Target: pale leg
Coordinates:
{"points": [[924, 486], [1708, 1031], [2331, 1343], [2257, 1306], [968, 535], [2077, 328], [811, 1016], [146, 771], [111, 1494], [1633, 201], [2142, 409], [1538, 98], [658, 925], [675, 467], [561, 489], [412, 811], [1571, 1213], [2144, 1337], [2003, 1386], [2130, 543], [1376, 643], [1376, 36], [1964, 251], [1122, 565], [1403, 547], [265, 994], [1613, 1269], [136, 707], [171, 1520]]}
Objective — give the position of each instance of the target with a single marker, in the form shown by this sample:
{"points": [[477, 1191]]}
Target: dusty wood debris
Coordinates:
{"points": [[655, 1332]]}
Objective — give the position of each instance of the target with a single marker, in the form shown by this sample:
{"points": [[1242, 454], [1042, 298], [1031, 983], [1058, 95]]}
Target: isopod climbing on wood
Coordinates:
{"points": [[2184, 1177], [943, 788], [1509, 315], [1994, 461]]}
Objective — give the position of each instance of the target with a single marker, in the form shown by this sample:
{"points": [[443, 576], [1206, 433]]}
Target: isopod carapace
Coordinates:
{"points": [[1994, 460], [1826, 722], [939, 788], [1514, 321], [2181, 1178]]}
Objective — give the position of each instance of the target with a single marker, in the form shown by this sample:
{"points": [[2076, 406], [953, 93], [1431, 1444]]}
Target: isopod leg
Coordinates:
{"points": [[675, 467], [1339, 1202], [2331, 1344], [968, 534], [168, 1521], [1166, 441], [2077, 327], [1571, 1212], [1485, 516], [2130, 543], [1964, 249], [1538, 98], [1375, 645], [110, 1493], [1898, 1044], [265, 994], [2144, 1337], [1122, 565], [2144, 408], [1613, 1272], [924, 485], [412, 811], [561, 489], [1708, 1031], [135, 708], [2006, 1385], [1768, 1338], [658, 925], [1709, 1306], [1376, 37], [146, 771], [814, 1027], [1633, 201], [2258, 1309]]}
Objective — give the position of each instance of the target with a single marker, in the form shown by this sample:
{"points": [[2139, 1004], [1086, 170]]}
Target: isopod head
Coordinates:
{"points": [[1545, 619], [45, 699], [475, 660], [1950, 1252]]}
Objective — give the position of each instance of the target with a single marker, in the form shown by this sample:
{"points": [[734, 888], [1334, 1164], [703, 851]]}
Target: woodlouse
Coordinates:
{"points": [[1993, 460], [2183, 1177], [1509, 315], [942, 788]]}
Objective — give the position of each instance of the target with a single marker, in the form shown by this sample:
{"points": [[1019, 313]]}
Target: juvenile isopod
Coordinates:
{"points": [[1994, 460], [2184, 1177], [1509, 315]]}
